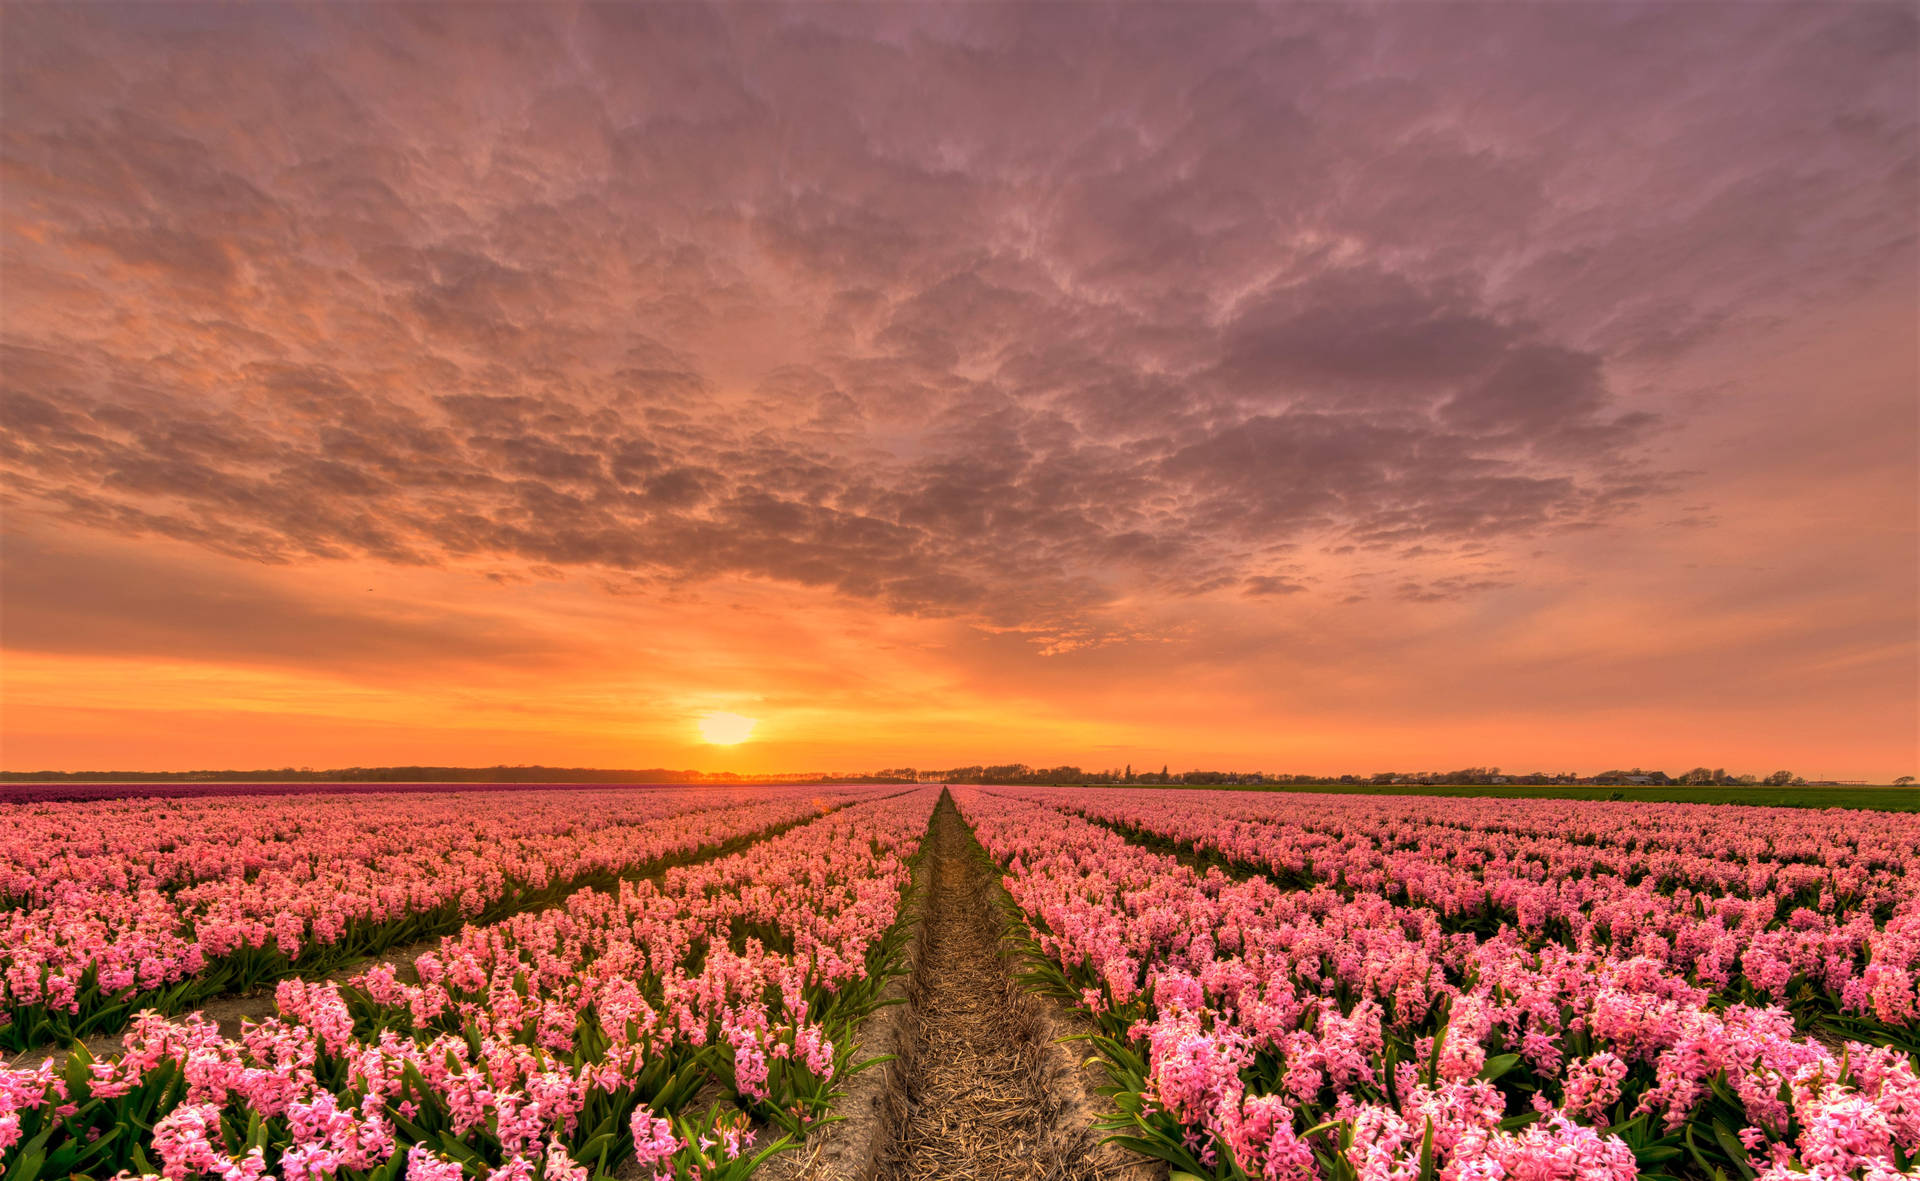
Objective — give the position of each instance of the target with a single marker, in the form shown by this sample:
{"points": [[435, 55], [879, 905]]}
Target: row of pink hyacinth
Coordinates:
{"points": [[1263, 1031], [1854, 860], [1746, 901], [108, 900], [548, 1045]]}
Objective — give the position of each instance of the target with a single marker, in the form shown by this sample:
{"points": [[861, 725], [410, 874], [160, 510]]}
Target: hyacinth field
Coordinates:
{"points": [[636, 982]]}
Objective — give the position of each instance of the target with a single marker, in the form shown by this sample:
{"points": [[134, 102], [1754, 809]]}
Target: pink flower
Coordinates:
{"points": [[653, 1142], [423, 1165]]}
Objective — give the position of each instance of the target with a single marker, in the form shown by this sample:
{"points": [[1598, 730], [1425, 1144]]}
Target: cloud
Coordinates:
{"points": [[1263, 585], [1445, 589], [677, 295], [94, 601]]}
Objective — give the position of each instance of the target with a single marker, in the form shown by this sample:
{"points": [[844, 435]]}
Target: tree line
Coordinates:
{"points": [[1021, 773]]}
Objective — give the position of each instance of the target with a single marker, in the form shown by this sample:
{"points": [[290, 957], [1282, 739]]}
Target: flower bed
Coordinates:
{"points": [[1819, 911], [1258, 1030], [551, 1045], [109, 908]]}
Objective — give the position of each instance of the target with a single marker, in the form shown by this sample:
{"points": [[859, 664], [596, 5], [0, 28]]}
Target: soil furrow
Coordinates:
{"points": [[982, 1089]]}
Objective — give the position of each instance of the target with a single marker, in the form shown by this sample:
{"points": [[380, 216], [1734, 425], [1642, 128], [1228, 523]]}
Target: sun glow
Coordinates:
{"points": [[724, 729]]}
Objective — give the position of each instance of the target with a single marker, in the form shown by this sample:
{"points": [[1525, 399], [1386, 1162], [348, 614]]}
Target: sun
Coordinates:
{"points": [[723, 729]]}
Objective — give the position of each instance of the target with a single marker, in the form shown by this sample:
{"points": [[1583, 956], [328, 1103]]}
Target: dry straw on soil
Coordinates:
{"points": [[981, 1088]]}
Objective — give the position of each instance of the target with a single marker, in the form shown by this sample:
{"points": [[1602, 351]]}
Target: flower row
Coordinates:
{"points": [[553, 1045], [128, 904], [1837, 933], [1257, 1031]]}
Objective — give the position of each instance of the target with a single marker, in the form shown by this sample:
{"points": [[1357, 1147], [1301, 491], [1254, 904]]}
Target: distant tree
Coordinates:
{"points": [[1779, 779], [1697, 776], [1903, 781], [1129, 772]]}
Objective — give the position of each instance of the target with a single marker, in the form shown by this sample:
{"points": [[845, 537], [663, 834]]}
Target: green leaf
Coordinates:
{"points": [[451, 1146], [760, 1158], [594, 1147], [1156, 1149], [1433, 1059], [1706, 1166], [1496, 1067], [31, 1158], [1736, 1151]]}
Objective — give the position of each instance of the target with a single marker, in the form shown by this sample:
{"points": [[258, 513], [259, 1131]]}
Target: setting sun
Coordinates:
{"points": [[724, 729]]}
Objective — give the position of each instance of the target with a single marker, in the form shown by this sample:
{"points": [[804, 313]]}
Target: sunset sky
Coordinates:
{"points": [[1304, 388]]}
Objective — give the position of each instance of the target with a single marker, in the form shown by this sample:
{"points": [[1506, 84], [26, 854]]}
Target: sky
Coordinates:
{"points": [[1307, 388]]}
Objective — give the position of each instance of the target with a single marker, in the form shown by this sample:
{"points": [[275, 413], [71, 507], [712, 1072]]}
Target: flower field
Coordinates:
{"points": [[1816, 911], [620, 983], [547, 1044], [110, 907], [1456, 989]]}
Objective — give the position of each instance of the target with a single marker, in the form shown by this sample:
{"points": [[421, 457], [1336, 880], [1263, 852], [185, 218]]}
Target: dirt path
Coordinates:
{"points": [[986, 1093]]}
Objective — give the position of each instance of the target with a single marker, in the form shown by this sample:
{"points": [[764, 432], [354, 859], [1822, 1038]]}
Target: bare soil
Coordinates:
{"points": [[982, 1088]]}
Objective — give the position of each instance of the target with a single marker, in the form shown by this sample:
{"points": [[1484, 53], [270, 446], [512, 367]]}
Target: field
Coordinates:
{"points": [[874, 981]]}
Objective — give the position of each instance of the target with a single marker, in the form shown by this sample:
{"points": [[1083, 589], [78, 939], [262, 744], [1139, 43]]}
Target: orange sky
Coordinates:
{"points": [[1313, 391]]}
